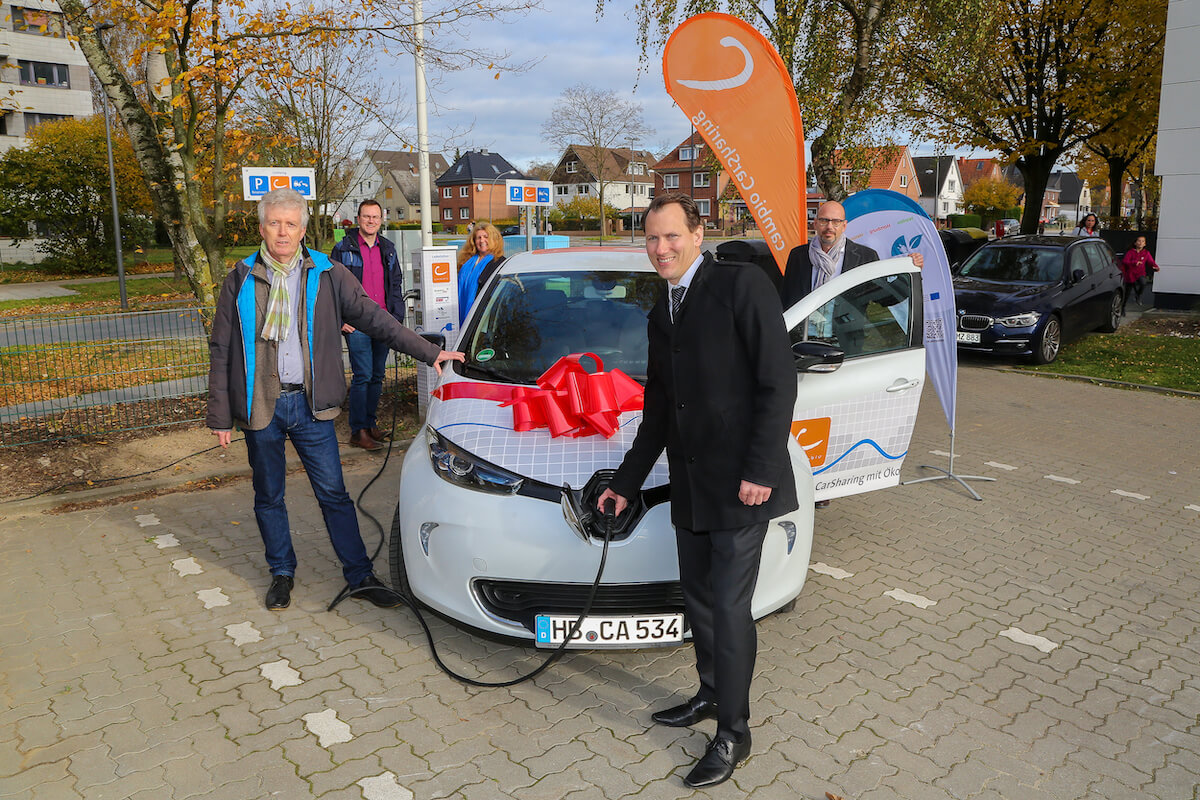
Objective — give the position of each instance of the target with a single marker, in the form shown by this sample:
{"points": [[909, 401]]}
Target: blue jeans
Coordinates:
{"points": [[368, 361], [316, 444]]}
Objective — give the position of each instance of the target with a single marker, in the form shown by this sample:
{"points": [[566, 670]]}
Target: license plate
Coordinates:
{"points": [[653, 629], [968, 338]]}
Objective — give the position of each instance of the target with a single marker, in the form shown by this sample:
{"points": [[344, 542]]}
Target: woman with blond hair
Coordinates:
{"points": [[479, 258]]}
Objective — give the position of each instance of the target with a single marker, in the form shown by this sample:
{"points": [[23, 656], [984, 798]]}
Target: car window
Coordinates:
{"points": [[1099, 256], [1019, 264], [529, 321], [871, 318]]}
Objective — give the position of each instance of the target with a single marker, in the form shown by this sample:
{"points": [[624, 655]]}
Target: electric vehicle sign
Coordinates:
{"points": [[528, 193], [257, 181], [595, 632]]}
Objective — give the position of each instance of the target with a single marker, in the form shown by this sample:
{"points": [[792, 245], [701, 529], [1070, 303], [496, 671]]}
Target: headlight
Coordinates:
{"points": [[1026, 320], [461, 468]]}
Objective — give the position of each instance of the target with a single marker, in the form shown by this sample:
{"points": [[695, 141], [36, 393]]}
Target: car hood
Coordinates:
{"points": [[470, 414], [995, 299]]}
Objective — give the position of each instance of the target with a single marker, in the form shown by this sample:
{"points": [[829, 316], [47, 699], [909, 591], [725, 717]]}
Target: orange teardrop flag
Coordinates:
{"points": [[733, 85]]}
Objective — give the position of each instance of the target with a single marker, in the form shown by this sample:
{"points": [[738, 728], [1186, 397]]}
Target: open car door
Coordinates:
{"points": [[860, 364]]}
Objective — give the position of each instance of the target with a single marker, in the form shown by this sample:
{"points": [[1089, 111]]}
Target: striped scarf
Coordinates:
{"points": [[278, 320]]}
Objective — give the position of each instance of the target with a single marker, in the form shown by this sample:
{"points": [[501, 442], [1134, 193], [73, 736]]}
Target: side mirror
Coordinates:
{"points": [[812, 356], [1077, 275], [435, 338]]}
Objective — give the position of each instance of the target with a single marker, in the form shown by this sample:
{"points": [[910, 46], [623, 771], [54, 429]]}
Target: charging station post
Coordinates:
{"points": [[437, 311]]}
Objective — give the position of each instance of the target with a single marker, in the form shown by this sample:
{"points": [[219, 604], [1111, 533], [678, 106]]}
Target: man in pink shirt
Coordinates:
{"points": [[372, 259]]}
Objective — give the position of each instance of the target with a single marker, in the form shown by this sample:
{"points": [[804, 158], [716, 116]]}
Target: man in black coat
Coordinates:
{"points": [[720, 389]]}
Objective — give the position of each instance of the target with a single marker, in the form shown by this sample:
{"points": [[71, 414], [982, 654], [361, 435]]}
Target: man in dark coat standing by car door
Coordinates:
{"points": [[720, 388], [371, 259]]}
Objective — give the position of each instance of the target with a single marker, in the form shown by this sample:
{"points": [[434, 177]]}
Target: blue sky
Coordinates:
{"points": [[506, 115]]}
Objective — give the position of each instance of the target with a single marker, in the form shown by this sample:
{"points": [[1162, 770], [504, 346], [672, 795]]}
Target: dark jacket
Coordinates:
{"points": [[720, 390], [347, 253], [797, 275], [243, 375]]}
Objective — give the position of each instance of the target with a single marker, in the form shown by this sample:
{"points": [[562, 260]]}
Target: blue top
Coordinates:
{"points": [[468, 283]]}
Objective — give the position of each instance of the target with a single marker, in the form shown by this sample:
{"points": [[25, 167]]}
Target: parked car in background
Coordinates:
{"points": [[1027, 295], [510, 230], [961, 242], [1009, 227]]}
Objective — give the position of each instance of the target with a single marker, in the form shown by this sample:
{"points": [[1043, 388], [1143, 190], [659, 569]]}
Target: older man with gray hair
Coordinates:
{"points": [[276, 372]]}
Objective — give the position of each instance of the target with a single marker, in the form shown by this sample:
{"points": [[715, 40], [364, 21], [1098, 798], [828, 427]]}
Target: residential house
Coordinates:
{"points": [[628, 178], [43, 77], [472, 188], [391, 178], [941, 185], [893, 169], [1074, 197], [692, 169], [972, 169]]}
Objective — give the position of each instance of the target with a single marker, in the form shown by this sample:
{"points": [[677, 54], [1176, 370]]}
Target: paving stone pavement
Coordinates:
{"points": [[1043, 644]]}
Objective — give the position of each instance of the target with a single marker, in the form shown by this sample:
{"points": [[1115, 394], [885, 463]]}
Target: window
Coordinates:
{"points": [[33, 120], [388, 193], [701, 179], [572, 166], [37, 21], [687, 153], [464, 213], [702, 206], [637, 168], [3, 123], [464, 191], [670, 181], [629, 188], [447, 213], [952, 184], [844, 177], [562, 190], [41, 73], [583, 188], [447, 192], [872, 318], [903, 181]]}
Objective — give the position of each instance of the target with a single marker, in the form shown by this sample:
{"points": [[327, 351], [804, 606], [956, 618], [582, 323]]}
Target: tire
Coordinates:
{"points": [[1049, 342], [1114, 313], [396, 557]]}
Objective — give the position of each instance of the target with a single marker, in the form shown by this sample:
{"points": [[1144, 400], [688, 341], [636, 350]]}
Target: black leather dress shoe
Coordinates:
{"points": [[717, 763], [371, 589], [689, 713], [280, 594], [378, 434]]}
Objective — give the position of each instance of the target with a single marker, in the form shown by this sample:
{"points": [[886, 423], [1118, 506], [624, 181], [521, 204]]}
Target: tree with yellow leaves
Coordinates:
{"points": [[178, 95]]}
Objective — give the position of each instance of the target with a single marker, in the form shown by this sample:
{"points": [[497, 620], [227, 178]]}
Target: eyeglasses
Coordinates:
{"points": [[830, 221]]}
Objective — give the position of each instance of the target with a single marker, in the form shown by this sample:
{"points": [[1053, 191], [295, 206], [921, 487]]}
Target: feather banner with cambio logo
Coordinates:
{"points": [[738, 94]]}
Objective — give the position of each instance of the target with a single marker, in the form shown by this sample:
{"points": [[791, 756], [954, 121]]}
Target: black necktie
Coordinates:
{"points": [[676, 300]]}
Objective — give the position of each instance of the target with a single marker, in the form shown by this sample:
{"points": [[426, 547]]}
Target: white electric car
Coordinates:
{"points": [[492, 529]]}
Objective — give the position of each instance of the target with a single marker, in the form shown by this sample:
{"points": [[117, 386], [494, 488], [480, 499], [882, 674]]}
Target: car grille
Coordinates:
{"points": [[520, 601], [974, 322]]}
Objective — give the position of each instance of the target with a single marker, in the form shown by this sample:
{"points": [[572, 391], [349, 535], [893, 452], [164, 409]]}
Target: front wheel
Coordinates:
{"points": [[1115, 306], [396, 558], [1049, 342]]}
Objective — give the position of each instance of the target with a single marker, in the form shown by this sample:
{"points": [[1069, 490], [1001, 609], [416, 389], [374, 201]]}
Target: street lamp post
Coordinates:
{"points": [[112, 185], [493, 190]]}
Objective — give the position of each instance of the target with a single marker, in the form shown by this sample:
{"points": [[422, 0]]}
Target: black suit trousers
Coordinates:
{"points": [[718, 571]]}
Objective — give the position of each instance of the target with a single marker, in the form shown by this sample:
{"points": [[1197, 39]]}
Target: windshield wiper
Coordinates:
{"points": [[491, 372]]}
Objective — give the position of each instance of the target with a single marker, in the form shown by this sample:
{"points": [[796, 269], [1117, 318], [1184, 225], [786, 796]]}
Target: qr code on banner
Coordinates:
{"points": [[935, 329]]}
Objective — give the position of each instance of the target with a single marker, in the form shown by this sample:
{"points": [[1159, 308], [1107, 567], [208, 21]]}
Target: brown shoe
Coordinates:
{"points": [[379, 435], [363, 439]]}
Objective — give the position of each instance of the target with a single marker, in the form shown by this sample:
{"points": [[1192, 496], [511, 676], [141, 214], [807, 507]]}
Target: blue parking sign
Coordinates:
{"points": [[514, 193], [543, 194], [302, 184], [258, 184]]}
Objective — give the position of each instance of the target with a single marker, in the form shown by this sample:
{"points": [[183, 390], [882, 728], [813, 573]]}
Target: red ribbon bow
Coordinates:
{"points": [[570, 401]]}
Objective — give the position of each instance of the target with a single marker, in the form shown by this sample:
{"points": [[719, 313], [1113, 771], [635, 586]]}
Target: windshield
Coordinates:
{"points": [[531, 320], [1027, 264]]}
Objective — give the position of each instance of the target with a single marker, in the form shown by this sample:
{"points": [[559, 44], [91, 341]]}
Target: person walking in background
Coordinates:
{"points": [[481, 255], [1136, 266], [1090, 226], [720, 387], [275, 371], [372, 260]]}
